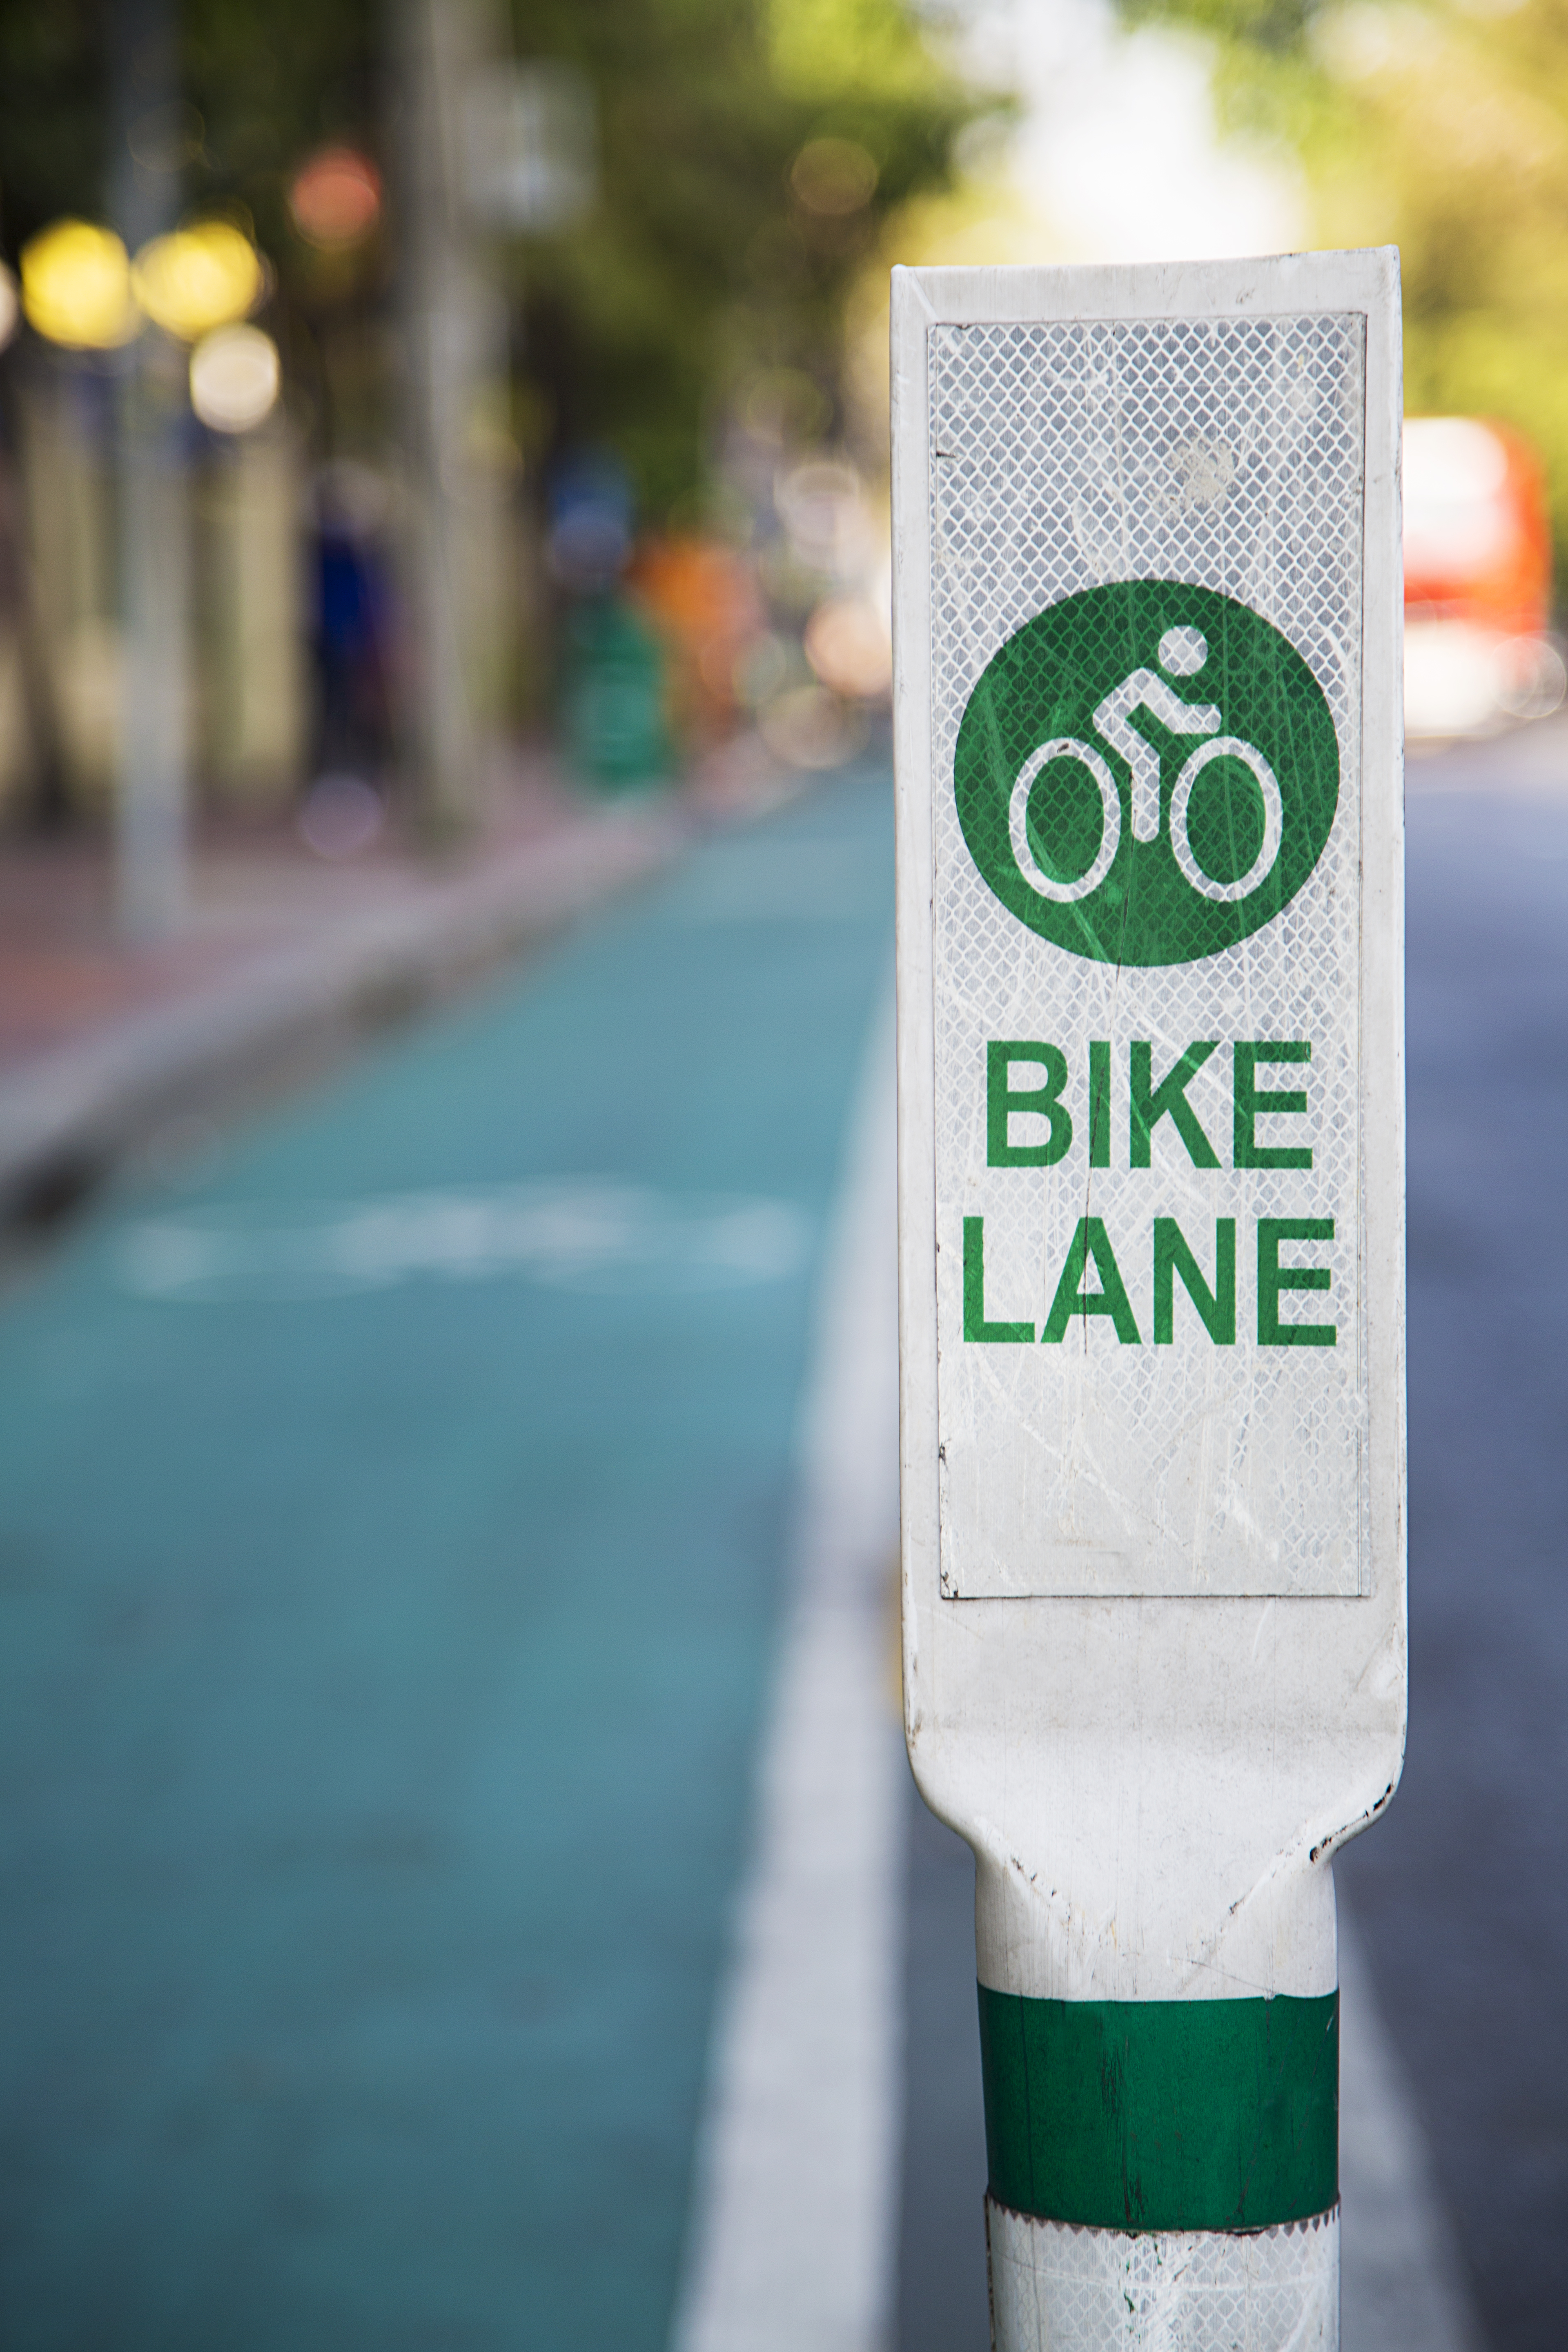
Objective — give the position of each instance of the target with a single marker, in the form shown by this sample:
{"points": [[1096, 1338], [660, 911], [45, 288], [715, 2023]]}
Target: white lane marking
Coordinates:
{"points": [[1401, 2288], [794, 2233], [577, 1232]]}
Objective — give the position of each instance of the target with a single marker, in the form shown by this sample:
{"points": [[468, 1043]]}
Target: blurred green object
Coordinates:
{"points": [[615, 730]]}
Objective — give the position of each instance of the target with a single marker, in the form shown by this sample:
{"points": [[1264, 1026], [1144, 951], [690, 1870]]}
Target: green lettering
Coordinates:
{"points": [[1090, 1240], [975, 1326], [1148, 1103], [1003, 1099], [1273, 1277], [1246, 1151], [1217, 1308], [1099, 1102]]}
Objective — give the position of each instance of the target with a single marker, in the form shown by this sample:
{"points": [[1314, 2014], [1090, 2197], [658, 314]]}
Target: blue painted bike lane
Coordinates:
{"points": [[390, 1533]]}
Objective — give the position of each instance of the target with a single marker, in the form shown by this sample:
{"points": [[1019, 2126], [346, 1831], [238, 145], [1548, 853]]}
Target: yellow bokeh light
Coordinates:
{"points": [[199, 278], [75, 287]]}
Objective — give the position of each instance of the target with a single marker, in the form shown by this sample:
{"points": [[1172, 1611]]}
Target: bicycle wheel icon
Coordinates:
{"points": [[1181, 651], [1228, 747], [1065, 747]]}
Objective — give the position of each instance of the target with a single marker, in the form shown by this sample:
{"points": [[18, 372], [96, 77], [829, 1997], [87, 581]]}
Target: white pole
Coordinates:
{"points": [[150, 813], [1150, 1094], [149, 806], [453, 350]]}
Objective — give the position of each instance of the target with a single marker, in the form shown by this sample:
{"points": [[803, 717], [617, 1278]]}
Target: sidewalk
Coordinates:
{"points": [[102, 1043]]}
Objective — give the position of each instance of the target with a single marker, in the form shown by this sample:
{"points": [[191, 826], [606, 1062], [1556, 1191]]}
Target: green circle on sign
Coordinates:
{"points": [[1147, 772]]}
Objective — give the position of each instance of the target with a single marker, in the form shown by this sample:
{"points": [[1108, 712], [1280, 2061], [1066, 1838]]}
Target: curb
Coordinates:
{"points": [[67, 1116]]}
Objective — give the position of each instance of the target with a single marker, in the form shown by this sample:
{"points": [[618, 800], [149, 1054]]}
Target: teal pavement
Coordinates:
{"points": [[391, 1529]]}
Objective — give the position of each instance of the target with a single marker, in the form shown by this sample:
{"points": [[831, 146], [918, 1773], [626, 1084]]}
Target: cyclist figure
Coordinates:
{"points": [[1183, 652]]}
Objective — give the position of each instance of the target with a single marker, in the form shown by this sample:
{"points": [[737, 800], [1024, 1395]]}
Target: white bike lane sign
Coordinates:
{"points": [[1150, 1199]]}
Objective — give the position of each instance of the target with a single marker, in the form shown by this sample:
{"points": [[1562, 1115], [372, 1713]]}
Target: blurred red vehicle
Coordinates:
{"points": [[1478, 580]]}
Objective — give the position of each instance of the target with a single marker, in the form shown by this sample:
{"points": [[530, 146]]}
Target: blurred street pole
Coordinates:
{"points": [[154, 585], [453, 330]]}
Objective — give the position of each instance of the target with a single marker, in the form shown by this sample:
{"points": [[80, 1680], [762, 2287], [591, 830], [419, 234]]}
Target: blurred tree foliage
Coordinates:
{"points": [[266, 79], [1443, 129], [701, 267], [260, 81], [698, 267], [54, 88]]}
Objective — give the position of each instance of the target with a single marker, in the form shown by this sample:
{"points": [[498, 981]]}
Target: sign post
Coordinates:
{"points": [[1149, 753]]}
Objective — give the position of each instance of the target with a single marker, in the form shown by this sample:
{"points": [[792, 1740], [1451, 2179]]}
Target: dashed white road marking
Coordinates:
{"points": [[576, 1233]]}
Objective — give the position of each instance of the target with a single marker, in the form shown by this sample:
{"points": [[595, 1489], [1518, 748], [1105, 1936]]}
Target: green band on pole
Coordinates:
{"points": [[1161, 2115]]}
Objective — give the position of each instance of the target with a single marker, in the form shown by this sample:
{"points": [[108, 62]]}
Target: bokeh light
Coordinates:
{"points": [[75, 287], [833, 176], [10, 305], [235, 379], [335, 198], [848, 646], [199, 278], [808, 727]]}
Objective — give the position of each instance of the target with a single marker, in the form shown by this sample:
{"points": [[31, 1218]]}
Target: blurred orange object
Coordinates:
{"points": [[702, 597]]}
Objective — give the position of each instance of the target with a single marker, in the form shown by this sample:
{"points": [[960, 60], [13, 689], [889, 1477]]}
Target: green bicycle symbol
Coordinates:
{"points": [[1214, 838]]}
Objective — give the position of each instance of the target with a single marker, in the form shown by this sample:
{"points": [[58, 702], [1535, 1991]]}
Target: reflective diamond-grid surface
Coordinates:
{"points": [[1226, 454], [1055, 2288]]}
